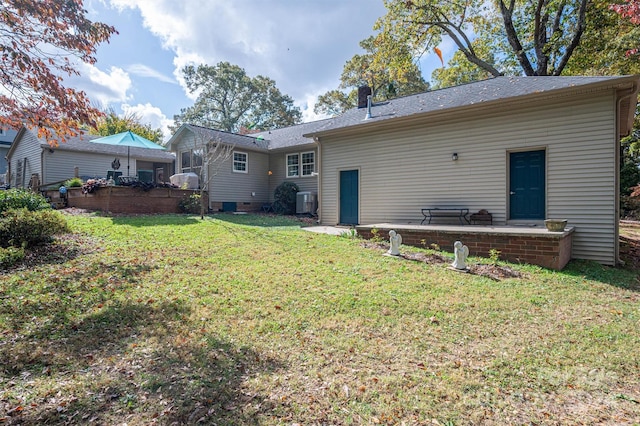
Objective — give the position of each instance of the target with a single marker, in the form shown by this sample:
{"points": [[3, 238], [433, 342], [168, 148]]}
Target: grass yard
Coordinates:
{"points": [[238, 320]]}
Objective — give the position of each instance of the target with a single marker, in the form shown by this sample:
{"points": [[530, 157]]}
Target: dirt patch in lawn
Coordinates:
{"points": [[494, 272]]}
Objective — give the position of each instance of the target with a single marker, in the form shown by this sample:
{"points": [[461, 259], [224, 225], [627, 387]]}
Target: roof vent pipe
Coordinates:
{"points": [[368, 116]]}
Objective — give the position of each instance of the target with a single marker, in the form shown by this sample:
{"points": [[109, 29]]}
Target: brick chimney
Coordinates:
{"points": [[363, 92]]}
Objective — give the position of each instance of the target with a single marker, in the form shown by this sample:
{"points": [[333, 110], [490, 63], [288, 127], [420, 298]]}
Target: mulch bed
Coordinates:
{"points": [[630, 252], [494, 272]]}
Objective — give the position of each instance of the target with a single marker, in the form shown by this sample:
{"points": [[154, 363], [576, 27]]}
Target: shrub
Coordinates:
{"points": [[25, 228], [191, 204], [21, 198], [10, 256], [285, 198], [75, 182]]}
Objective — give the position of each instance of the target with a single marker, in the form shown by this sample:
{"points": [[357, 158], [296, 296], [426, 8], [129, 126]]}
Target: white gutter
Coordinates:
{"points": [[316, 140]]}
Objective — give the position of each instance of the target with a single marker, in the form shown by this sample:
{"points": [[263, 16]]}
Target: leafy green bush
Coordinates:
{"points": [[10, 256], [191, 204], [75, 182], [285, 198], [21, 198], [25, 228]]}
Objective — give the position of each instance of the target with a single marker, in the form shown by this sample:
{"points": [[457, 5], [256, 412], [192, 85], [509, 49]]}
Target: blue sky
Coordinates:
{"points": [[301, 44]]}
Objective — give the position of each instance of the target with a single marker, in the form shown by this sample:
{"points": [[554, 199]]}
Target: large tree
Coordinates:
{"points": [[539, 36], [39, 41], [605, 44], [228, 99], [459, 70], [111, 123], [389, 75]]}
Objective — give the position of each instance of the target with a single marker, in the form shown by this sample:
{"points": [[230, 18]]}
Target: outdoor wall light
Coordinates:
{"points": [[454, 156]]}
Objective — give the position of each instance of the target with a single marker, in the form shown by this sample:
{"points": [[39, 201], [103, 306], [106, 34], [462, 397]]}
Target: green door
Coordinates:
{"points": [[527, 185], [349, 197]]}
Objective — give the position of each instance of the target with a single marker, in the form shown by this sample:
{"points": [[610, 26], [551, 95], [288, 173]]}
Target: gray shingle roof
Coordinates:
{"points": [[477, 93], [481, 92], [246, 141], [82, 144], [291, 136]]}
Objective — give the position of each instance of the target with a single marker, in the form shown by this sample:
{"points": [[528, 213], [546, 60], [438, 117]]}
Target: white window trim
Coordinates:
{"points": [[302, 164], [286, 165], [246, 162]]}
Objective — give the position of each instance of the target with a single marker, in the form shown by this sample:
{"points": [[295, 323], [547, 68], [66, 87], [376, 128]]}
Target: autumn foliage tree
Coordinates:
{"points": [[630, 10], [39, 42]]}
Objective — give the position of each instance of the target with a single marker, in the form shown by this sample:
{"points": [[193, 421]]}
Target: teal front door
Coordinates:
{"points": [[349, 197], [527, 185]]}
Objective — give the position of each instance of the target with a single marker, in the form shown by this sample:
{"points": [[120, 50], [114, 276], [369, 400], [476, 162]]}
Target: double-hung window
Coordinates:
{"points": [[293, 165], [300, 164], [240, 162], [308, 163]]}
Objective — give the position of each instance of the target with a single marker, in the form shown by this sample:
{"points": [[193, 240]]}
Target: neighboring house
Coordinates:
{"points": [[31, 157], [260, 162], [6, 137], [523, 148]]}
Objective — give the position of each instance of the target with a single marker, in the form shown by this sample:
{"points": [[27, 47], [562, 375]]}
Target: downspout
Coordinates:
{"points": [[319, 177], [42, 167], [622, 95]]}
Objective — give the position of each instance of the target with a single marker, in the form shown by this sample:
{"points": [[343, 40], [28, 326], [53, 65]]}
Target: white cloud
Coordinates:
{"points": [[146, 71], [302, 45], [307, 104], [103, 87], [151, 115]]}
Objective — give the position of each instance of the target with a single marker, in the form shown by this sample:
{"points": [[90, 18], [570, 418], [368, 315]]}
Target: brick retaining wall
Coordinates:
{"points": [[128, 200], [548, 249]]}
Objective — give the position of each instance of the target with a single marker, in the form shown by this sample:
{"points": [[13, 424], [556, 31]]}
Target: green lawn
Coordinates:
{"points": [[251, 320]]}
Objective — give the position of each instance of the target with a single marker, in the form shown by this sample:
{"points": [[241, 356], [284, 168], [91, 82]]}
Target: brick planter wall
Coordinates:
{"points": [[548, 249], [128, 200]]}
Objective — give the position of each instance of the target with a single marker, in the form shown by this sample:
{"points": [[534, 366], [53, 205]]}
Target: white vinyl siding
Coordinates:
{"points": [[408, 168]]}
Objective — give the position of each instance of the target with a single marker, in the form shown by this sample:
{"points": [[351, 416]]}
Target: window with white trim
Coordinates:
{"points": [[308, 163], [240, 162], [301, 164], [293, 165]]}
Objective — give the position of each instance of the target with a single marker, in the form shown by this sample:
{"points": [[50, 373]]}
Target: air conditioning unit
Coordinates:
{"points": [[306, 202]]}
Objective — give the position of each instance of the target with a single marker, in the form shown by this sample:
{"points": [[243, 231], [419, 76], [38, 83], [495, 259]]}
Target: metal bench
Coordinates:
{"points": [[460, 213]]}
